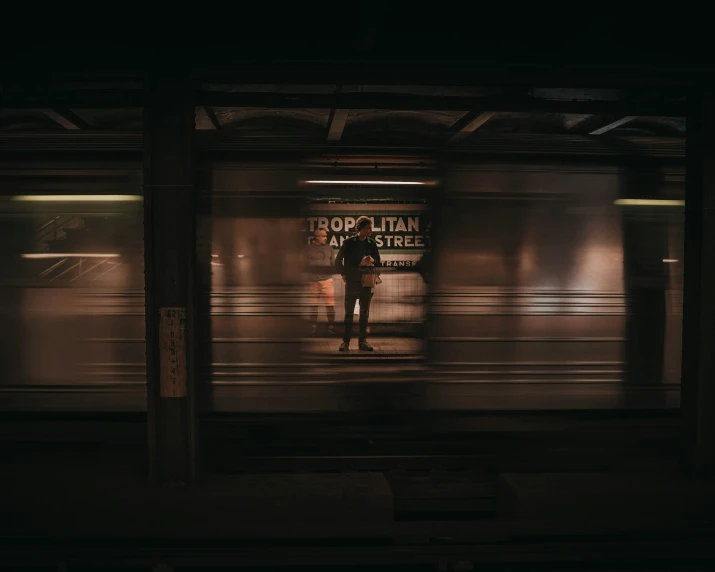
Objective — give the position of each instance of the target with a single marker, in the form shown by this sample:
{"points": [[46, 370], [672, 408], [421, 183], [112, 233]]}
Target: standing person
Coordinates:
{"points": [[320, 260], [353, 251]]}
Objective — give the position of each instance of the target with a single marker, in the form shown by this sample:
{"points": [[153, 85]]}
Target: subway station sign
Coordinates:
{"points": [[391, 230]]}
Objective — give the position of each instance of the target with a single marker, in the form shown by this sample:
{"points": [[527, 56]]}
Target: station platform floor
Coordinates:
{"points": [[492, 488], [384, 347]]}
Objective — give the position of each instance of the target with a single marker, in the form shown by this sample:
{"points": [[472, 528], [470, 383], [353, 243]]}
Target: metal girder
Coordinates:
{"points": [[66, 118], [613, 125], [80, 99], [577, 122], [363, 100], [212, 117], [409, 102], [469, 123], [336, 125], [130, 144]]}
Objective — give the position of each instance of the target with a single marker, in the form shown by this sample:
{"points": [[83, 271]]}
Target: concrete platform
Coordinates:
{"points": [[620, 501], [68, 504]]}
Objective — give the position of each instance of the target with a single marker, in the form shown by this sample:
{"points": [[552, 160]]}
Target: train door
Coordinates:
{"points": [[401, 220], [248, 250], [400, 207]]}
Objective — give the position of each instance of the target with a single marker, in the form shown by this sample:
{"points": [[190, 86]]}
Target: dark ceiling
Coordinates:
{"points": [[485, 34], [366, 72]]}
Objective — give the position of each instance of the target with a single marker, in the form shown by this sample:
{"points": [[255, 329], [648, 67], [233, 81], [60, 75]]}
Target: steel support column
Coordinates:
{"points": [[698, 369], [169, 257]]}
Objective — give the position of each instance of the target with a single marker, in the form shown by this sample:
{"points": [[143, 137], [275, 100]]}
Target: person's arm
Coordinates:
{"points": [[332, 258], [377, 256]]}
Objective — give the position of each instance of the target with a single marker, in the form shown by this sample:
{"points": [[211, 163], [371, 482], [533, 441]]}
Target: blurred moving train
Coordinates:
{"points": [[510, 286]]}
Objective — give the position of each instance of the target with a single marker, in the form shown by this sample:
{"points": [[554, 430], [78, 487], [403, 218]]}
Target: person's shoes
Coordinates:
{"points": [[332, 331], [364, 346], [345, 346]]}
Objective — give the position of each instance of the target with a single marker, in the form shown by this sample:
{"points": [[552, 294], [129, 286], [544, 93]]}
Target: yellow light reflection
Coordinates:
{"points": [[77, 198], [649, 202], [68, 255]]}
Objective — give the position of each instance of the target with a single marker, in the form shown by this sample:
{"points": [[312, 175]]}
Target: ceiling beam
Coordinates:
{"points": [[90, 99], [336, 123], [577, 122], [129, 144], [79, 99], [409, 102], [612, 125], [212, 116], [469, 123], [66, 118]]}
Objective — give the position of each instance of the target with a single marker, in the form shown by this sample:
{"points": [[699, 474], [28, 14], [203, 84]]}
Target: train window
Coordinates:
{"points": [[71, 291], [556, 288], [401, 231], [273, 294], [544, 290]]}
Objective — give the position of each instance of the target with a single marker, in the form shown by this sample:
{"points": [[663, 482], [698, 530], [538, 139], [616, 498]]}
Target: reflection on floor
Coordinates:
{"points": [[385, 347]]}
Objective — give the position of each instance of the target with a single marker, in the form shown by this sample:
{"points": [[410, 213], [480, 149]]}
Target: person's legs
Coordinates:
{"points": [[351, 295], [365, 298], [328, 291]]}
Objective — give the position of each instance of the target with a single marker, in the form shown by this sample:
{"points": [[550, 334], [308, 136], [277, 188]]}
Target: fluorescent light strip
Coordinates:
{"points": [[670, 260], [68, 255], [376, 183], [77, 198], [649, 203]]}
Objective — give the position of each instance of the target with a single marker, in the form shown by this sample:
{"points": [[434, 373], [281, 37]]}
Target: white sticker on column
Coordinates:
{"points": [[172, 352]]}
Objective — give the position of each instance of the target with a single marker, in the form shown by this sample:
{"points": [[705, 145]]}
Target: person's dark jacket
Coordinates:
{"points": [[350, 256], [424, 266]]}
